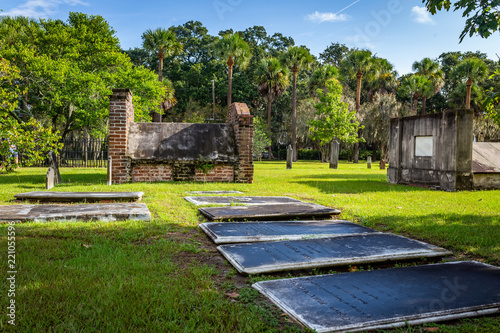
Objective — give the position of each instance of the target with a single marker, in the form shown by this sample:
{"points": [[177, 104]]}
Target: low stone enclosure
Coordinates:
{"points": [[438, 150], [148, 152]]}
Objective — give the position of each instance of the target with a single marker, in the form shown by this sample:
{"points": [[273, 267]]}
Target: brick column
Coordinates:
{"points": [[121, 114], [242, 121]]}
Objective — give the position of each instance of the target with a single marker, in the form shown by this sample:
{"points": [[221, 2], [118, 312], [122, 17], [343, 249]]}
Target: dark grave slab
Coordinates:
{"points": [[388, 298], [266, 257], [82, 212], [79, 196], [240, 232], [228, 200], [215, 192], [266, 212]]}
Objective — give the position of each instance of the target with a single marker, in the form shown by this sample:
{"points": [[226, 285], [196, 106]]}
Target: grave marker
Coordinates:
{"points": [[259, 212], [267, 257], [228, 200], [240, 232], [334, 154], [289, 157], [369, 162], [49, 179], [55, 166], [388, 298], [110, 171], [83, 212]]}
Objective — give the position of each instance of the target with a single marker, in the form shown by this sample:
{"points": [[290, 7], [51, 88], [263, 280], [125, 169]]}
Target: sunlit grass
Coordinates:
{"points": [[157, 276]]}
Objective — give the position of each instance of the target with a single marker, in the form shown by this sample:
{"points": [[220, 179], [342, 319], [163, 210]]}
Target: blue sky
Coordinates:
{"points": [[398, 30]]}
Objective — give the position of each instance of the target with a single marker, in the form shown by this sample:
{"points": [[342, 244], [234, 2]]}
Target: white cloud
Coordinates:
{"points": [[421, 15], [40, 8], [318, 17]]}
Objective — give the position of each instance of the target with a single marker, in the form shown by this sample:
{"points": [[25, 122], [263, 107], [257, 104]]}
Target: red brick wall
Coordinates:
{"points": [[121, 114], [220, 173], [242, 121], [151, 173]]}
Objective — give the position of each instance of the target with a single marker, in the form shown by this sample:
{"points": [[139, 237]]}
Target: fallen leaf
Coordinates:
{"points": [[353, 269], [232, 295], [431, 329], [86, 246], [399, 207]]}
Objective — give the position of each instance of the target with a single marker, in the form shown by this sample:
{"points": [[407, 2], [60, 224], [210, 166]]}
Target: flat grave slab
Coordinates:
{"points": [[82, 212], [228, 200], [275, 211], [266, 257], [215, 192], [388, 298], [42, 196], [240, 232]]}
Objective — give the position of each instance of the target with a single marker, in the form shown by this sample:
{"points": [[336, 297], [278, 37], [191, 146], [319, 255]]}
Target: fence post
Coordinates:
{"points": [[109, 170]]}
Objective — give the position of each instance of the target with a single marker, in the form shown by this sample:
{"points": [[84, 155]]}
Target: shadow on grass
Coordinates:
{"points": [[469, 236], [31, 180], [354, 186]]}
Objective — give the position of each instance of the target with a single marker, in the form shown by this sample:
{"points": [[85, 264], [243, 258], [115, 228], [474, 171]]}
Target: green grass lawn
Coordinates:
{"points": [[167, 276]]}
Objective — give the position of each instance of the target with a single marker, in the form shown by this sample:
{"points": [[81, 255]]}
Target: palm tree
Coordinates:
{"points": [[358, 63], [320, 77], [169, 100], [409, 86], [297, 58], [381, 78], [272, 80], [424, 89], [472, 69], [164, 43], [233, 48], [432, 70]]}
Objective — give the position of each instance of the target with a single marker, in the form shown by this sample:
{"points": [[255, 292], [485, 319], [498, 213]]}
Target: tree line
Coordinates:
{"points": [[56, 76]]}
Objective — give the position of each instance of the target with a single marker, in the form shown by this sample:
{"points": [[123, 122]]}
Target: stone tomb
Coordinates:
{"points": [[228, 200], [267, 257], [83, 212], [388, 298], [240, 232], [42, 196], [274, 211]]}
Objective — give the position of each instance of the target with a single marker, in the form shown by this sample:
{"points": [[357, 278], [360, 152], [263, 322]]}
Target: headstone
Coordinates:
{"points": [[49, 179], [388, 298], [229, 200], [334, 154], [42, 196], [369, 162], [83, 212], [238, 232], [110, 170], [266, 212], [55, 166], [215, 192], [382, 164], [289, 157], [267, 257]]}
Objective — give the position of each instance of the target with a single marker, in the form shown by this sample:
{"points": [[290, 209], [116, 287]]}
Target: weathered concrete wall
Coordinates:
{"points": [[173, 151], [433, 150], [486, 165]]}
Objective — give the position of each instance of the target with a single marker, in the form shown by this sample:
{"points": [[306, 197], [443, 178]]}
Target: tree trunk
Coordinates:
{"points": [[157, 115], [467, 99], [294, 114], [359, 76], [374, 152], [415, 100], [424, 100], [230, 63], [269, 103]]}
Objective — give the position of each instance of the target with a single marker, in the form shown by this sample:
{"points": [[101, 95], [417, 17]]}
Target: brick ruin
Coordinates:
{"points": [[149, 152]]}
